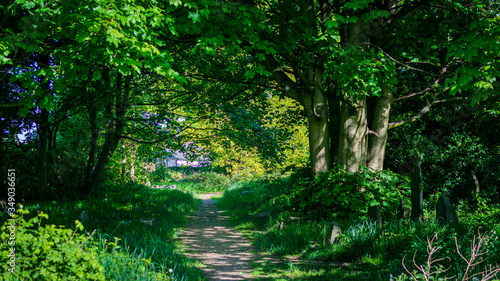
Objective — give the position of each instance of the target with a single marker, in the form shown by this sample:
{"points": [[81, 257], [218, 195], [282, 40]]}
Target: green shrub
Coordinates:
{"points": [[485, 214], [342, 194], [47, 252]]}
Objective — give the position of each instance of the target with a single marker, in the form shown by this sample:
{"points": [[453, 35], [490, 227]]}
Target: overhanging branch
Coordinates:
{"points": [[422, 112], [282, 78], [421, 92]]}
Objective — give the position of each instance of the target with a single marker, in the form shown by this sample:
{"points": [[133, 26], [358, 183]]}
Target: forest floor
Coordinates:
{"points": [[225, 252]]}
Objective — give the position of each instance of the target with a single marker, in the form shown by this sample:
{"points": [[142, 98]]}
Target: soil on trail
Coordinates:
{"points": [[225, 252]]}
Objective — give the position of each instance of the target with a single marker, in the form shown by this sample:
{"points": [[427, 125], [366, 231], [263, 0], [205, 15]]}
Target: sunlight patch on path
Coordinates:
{"points": [[223, 250]]}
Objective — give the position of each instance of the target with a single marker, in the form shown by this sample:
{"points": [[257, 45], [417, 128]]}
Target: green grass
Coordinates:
{"points": [[144, 252], [371, 252], [363, 252], [200, 180]]}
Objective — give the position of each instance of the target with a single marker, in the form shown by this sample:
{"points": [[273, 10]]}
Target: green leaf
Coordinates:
{"points": [[331, 24], [176, 3], [115, 33], [194, 16], [23, 111], [249, 74]]}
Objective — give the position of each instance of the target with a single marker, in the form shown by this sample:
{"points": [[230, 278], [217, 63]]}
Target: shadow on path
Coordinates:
{"points": [[223, 250]]}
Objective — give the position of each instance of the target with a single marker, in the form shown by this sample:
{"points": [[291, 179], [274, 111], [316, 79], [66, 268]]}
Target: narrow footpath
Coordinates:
{"points": [[225, 252]]}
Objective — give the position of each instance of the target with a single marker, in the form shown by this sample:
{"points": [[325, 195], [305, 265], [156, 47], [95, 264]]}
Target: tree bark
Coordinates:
{"points": [[124, 161], [377, 138], [352, 140], [114, 129], [334, 124], [317, 115], [110, 144], [43, 131], [417, 191], [132, 162], [315, 106], [319, 143]]}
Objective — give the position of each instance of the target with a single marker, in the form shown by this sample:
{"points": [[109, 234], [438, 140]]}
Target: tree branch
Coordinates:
{"points": [[282, 78], [404, 11], [142, 141], [424, 110], [433, 86], [410, 67]]}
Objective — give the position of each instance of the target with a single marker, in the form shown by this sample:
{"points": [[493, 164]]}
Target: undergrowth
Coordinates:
{"points": [[128, 229], [371, 252]]}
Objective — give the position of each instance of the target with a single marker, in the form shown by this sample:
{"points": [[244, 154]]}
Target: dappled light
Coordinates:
{"points": [[194, 140]]}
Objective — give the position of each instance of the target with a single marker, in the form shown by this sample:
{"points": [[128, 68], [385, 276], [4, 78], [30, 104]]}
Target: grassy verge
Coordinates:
{"points": [[135, 229], [364, 250]]}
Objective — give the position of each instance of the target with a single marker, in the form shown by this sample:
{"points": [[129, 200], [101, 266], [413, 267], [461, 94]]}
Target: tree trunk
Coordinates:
{"points": [[417, 191], [353, 143], [309, 93], [132, 162], [114, 129], [352, 140], [94, 132], [377, 139], [319, 143], [109, 147], [334, 125], [124, 161], [43, 131], [315, 105]]}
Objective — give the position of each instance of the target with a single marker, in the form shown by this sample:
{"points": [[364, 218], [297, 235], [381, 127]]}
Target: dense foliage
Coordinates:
{"points": [[317, 109], [450, 143], [48, 252], [368, 250]]}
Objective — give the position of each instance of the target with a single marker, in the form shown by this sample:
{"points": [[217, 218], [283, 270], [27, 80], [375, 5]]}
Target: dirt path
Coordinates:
{"points": [[223, 250]]}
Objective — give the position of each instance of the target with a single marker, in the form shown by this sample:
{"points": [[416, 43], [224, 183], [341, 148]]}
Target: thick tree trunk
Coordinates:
{"points": [[309, 93], [377, 138], [43, 131], [352, 140], [319, 143], [334, 125], [315, 105]]}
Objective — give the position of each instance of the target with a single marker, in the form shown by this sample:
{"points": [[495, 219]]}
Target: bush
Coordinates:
{"points": [[48, 252], [342, 194]]}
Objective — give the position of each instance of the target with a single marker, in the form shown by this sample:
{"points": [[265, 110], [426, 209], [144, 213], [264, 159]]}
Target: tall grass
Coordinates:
{"points": [[129, 248], [375, 252], [145, 256]]}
